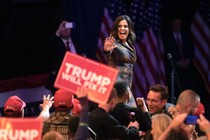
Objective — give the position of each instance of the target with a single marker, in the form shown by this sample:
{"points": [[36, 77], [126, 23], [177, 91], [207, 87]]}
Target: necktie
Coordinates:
{"points": [[70, 47], [67, 46]]}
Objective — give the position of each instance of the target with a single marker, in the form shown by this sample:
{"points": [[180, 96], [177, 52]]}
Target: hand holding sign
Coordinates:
{"points": [[82, 95], [82, 92]]}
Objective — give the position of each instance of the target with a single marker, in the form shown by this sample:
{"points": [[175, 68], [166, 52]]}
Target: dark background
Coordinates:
{"points": [[27, 25]]}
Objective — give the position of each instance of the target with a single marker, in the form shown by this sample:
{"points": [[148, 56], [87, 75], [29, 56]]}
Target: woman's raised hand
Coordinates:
{"points": [[109, 44]]}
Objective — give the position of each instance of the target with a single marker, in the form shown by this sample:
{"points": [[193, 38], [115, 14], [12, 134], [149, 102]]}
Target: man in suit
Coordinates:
{"points": [[107, 127], [60, 42], [179, 44], [122, 112]]}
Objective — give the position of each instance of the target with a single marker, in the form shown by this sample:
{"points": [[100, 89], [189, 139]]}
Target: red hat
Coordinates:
{"points": [[76, 106], [15, 104], [62, 99], [200, 109]]}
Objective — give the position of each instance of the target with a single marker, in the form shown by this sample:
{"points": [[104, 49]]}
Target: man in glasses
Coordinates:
{"points": [[157, 99]]}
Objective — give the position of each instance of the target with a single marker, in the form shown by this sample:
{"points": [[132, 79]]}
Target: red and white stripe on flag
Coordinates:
{"points": [[201, 38], [149, 68]]}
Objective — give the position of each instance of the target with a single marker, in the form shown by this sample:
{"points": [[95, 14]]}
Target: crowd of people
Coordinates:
{"points": [[123, 116], [153, 119]]}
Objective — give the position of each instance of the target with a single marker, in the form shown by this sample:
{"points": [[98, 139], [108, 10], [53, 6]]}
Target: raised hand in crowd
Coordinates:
{"points": [[82, 92], [204, 125], [141, 104], [82, 95], [46, 105]]}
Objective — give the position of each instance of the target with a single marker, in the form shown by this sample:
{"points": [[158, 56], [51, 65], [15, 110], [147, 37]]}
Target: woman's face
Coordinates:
{"points": [[123, 30]]}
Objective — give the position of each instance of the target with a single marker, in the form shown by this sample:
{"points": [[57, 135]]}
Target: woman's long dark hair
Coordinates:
{"points": [[131, 36]]}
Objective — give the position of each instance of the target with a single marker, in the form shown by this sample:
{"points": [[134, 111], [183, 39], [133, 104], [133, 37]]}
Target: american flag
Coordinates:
{"points": [[149, 68], [200, 28]]}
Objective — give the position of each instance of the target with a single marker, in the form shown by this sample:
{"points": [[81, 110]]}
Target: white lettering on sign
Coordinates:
{"points": [[18, 134], [91, 79], [86, 75], [71, 78]]}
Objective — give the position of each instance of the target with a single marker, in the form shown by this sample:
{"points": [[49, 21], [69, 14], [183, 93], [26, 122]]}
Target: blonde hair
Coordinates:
{"points": [[160, 123], [52, 135]]}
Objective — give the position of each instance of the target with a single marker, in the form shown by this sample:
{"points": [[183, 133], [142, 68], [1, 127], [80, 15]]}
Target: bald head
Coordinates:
{"points": [[188, 101]]}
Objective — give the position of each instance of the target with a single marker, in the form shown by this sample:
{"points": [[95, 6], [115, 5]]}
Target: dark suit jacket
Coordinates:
{"points": [[106, 127], [185, 75], [121, 113], [57, 49], [187, 46]]}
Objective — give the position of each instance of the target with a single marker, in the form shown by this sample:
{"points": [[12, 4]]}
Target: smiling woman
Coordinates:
{"points": [[119, 49]]}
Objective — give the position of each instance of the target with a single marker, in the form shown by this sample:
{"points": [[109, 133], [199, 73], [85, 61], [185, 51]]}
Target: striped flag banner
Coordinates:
{"points": [[200, 28]]}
